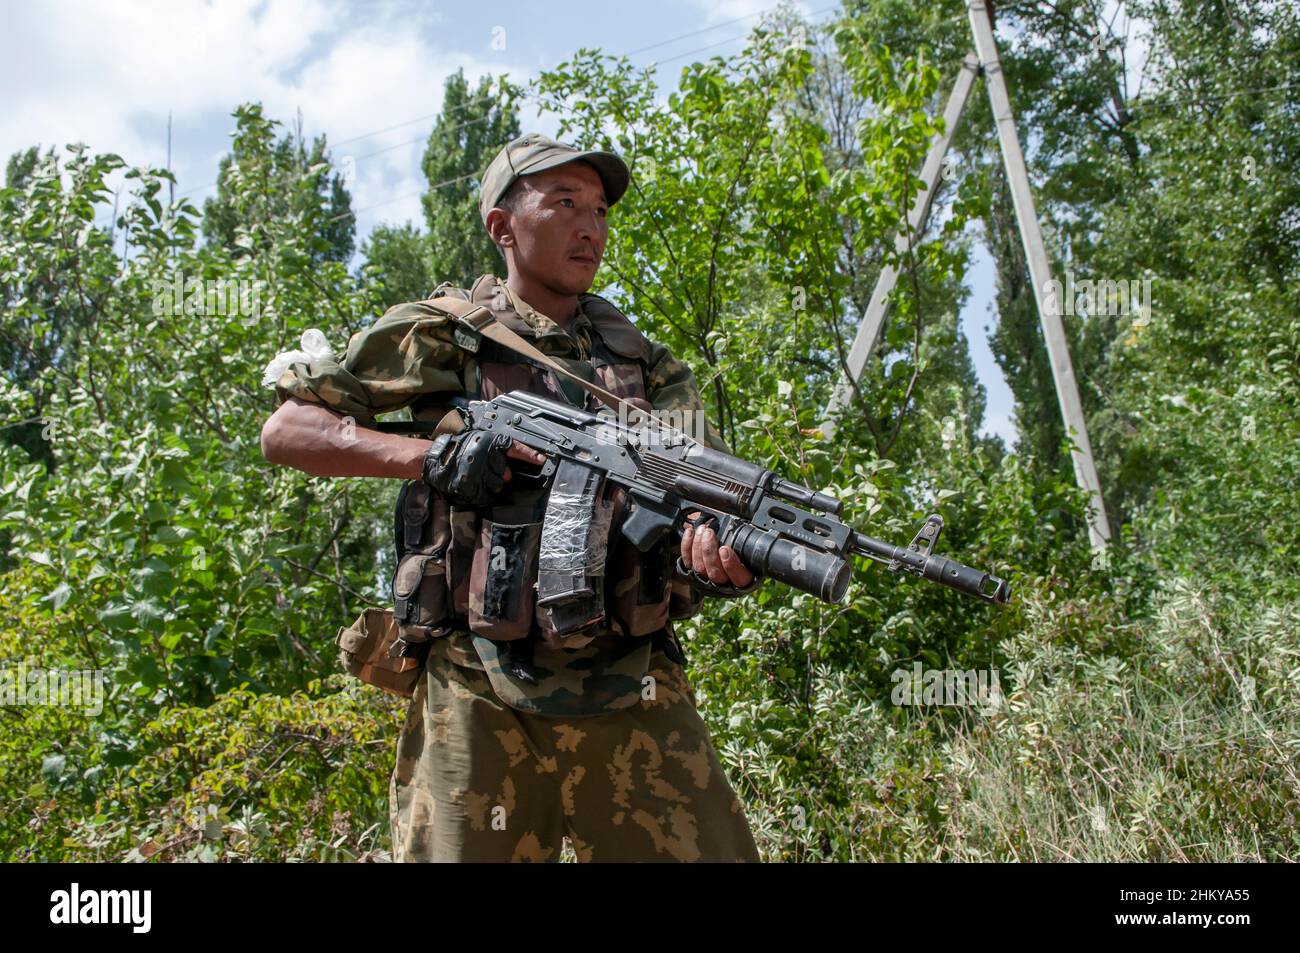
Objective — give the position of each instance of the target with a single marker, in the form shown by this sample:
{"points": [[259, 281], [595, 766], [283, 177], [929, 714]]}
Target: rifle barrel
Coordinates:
{"points": [[940, 569]]}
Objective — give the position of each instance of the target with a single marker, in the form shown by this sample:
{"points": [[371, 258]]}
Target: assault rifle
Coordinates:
{"points": [[780, 529]]}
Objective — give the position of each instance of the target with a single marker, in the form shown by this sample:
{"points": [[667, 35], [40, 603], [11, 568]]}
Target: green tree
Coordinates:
{"points": [[397, 263], [37, 328], [1151, 698], [473, 125], [298, 179]]}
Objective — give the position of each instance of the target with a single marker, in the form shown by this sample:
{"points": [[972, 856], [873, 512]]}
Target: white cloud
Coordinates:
{"points": [[108, 74], [100, 72]]}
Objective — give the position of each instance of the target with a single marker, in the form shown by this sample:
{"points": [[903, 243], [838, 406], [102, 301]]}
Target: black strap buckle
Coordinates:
{"points": [[666, 641], [519, 659]]}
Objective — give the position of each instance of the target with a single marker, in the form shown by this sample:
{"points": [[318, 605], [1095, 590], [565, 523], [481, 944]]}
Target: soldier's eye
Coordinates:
{"points": [[562, 201]]}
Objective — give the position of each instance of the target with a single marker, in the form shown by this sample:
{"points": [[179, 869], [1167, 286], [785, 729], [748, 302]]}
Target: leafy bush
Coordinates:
{"points": [[1147, 706]]}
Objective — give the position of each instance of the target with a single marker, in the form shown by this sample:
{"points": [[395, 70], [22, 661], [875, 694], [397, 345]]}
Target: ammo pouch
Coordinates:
{"points": [[387, 648], [421, 599], [503, 580], [367, 649], [557, 569]]}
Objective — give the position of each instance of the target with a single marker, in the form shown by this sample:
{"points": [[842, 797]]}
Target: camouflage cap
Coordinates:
{"points": [[535, 153]]}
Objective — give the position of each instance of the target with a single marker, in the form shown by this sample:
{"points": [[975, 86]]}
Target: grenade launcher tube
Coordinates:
{"points": [[824, 575]]}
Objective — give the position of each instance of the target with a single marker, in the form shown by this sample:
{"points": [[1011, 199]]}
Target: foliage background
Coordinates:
{"points": [[1150, 698]]}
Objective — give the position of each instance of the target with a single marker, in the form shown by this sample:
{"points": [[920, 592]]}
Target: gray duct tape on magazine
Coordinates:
{"points": [[571, 563]]}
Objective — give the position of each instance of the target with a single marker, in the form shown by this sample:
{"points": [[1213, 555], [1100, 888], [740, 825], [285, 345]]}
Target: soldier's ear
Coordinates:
{"points": [[499, 227]]}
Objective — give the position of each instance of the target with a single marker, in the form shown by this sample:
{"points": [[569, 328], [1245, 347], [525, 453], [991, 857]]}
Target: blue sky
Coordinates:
{"points": [[370, 75]]}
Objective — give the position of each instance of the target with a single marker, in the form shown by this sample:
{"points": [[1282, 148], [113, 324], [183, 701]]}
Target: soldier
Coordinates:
{"points": [[518, 736]]}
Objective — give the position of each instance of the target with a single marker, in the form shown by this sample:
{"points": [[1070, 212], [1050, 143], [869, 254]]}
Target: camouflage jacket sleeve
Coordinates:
{"points": [[671, 387], [407, 353]]}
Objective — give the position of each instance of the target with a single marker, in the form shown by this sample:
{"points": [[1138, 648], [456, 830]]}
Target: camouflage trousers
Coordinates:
{"points": [[477, 780]]}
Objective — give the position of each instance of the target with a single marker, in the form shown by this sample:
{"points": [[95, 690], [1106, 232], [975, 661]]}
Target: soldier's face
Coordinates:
{"points": [[560, 228]]}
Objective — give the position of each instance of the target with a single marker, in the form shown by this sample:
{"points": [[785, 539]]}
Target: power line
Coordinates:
{"points": [[683, 36], [434, 115], [398, 198], [367, 135], [708, 29], [539, 100], [533, 98], [408, 142], [812, 16], [1166, 101], [680, 56], [425, 138]]}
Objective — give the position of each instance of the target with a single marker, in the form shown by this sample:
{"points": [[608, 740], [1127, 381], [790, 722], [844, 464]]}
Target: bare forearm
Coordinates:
{"points": [[318, 441]]}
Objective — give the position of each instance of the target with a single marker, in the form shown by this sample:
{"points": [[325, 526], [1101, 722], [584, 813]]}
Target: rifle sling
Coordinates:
{"points": [[482, 320]]}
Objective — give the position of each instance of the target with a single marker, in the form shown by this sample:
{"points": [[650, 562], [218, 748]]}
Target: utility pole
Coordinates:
{"points": [[878, 308], [987, 62], [1040, 273]]}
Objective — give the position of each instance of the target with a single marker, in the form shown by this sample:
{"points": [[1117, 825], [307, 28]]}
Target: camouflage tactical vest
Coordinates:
{"points": [[467, 570]]}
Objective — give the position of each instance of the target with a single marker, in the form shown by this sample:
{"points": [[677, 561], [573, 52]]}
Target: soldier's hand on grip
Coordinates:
{"points": [[469, 469], [716, 569]]}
